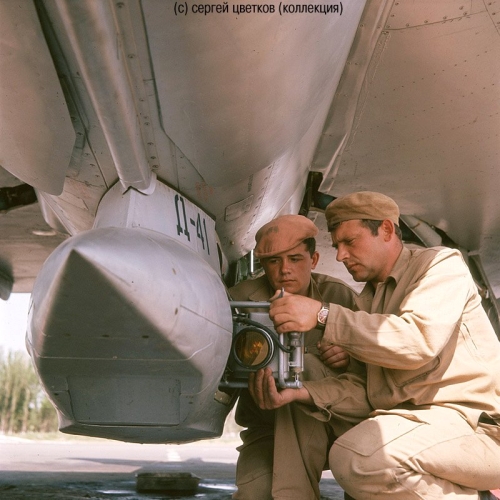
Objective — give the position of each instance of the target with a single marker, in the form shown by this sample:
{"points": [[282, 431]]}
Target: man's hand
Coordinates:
{"points": [[293, 313], [333, 356], [263, 390]]}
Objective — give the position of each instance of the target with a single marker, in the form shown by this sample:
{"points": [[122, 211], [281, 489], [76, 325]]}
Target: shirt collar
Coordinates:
{"points": [[396, 273], [313, 290], [400, 266]]}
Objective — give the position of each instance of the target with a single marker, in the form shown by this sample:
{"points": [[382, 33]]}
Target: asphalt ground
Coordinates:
{"points": [[74, 469]]}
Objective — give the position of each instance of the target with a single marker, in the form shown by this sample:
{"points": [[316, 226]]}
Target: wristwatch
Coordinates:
{"points": [[323, 316]]}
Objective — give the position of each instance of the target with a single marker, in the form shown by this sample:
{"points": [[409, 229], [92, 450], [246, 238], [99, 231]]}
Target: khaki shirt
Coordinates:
{"points": [[323, 288], [425, 339]]}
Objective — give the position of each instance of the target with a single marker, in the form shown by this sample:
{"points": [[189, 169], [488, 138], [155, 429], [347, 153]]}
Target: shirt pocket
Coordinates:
{"points": [[401, 378]]}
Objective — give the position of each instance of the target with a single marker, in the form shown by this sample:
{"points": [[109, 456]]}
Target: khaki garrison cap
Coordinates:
{"points": [[283, 234], [362, 205]]}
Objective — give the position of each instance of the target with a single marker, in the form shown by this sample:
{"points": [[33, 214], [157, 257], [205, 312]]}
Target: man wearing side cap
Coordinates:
{"points": [[266, 468], [432, 364]]}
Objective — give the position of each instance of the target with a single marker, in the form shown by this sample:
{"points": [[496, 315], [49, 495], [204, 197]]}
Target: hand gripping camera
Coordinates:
{"points": [[256, 345]]}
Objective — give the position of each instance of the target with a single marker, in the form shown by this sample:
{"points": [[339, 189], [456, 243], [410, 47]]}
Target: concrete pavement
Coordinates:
{"points": [[74, 469]]}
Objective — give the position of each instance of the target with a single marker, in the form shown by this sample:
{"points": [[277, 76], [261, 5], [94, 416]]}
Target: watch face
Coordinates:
{"points": [[322, 315]]}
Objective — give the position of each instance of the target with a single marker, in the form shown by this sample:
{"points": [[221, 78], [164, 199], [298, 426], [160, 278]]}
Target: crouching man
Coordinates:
{"points": [[279, 457], [432, 364]]}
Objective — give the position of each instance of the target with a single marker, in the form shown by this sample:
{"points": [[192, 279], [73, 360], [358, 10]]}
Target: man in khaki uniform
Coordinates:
{"points": [[286, 248], [432, 362]]}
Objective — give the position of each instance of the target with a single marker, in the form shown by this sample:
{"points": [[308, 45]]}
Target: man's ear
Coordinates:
{"points": [[315, 259], [387, 229]]}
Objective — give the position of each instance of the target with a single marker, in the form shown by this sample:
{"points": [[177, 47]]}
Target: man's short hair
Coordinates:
{"points": [[310, 245], [373, 226]]}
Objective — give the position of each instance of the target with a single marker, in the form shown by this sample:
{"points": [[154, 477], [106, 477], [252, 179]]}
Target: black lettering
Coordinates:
{"points": [[180, 229], [199, 231], [206, 236]]}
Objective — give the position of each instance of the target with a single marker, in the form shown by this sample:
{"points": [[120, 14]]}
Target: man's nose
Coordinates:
{"points": [[285, 266], [341, 254]]}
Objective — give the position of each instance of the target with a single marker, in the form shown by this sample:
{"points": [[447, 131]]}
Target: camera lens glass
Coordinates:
{"points": [[252, 348]]}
